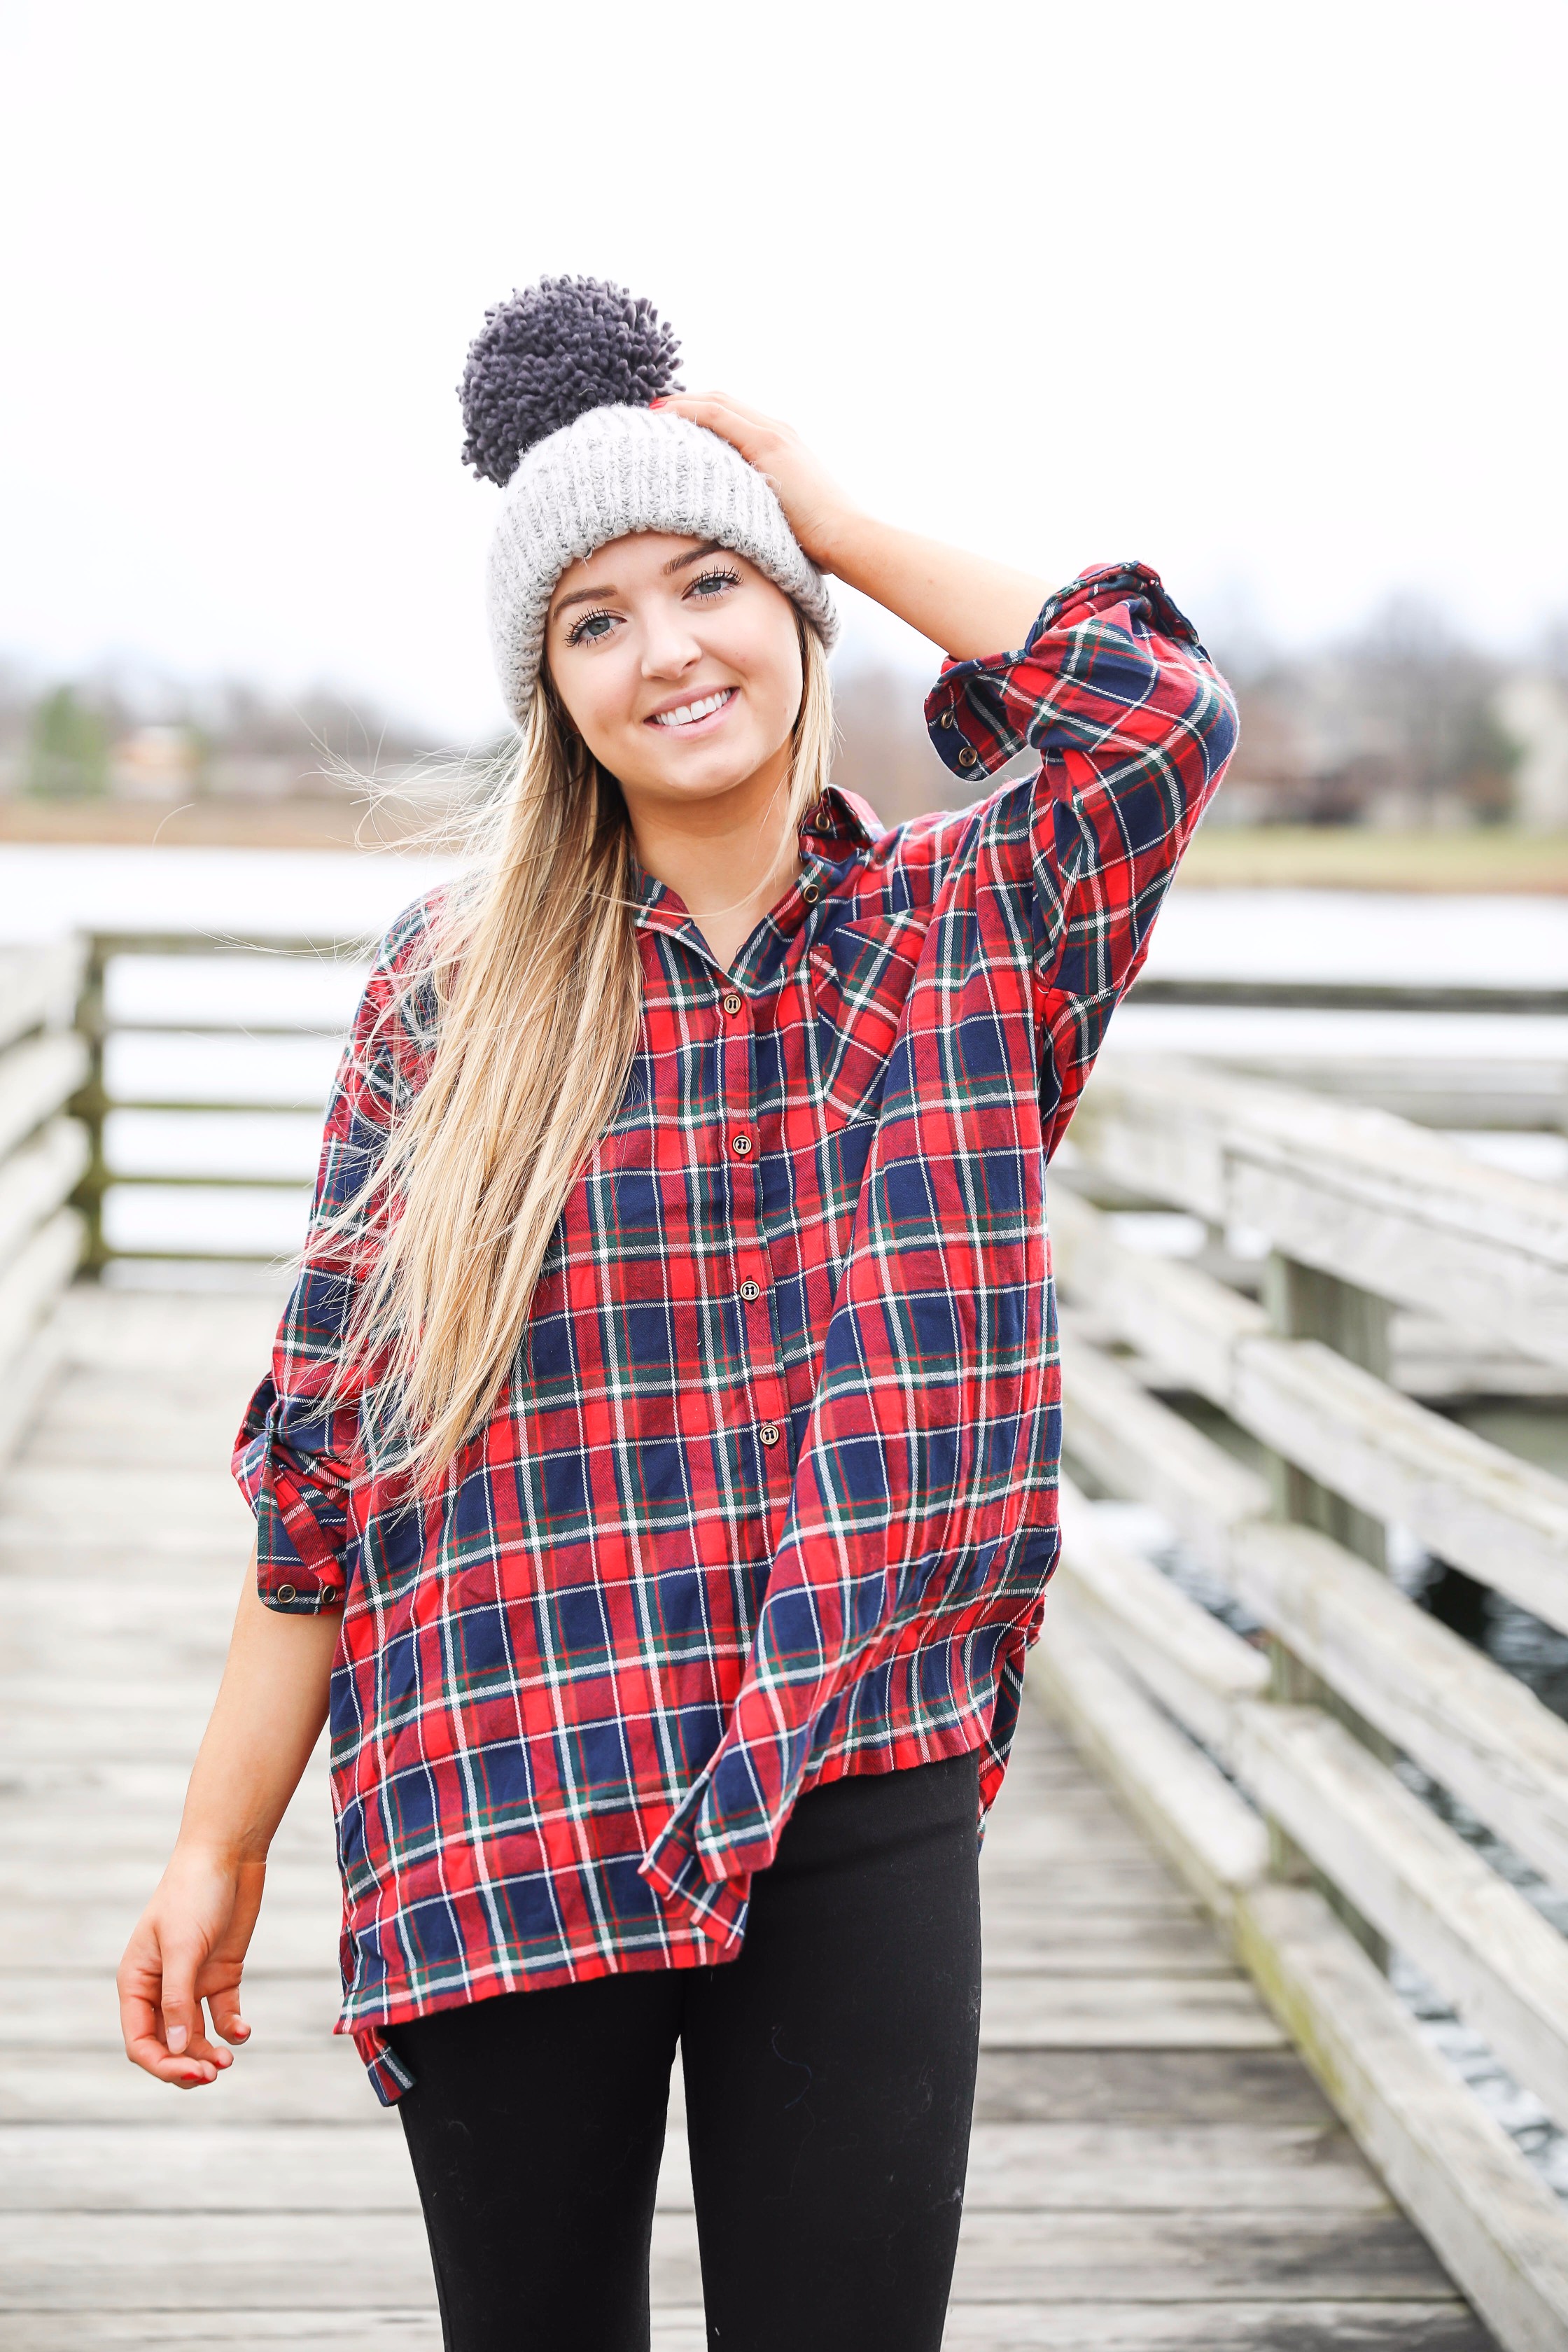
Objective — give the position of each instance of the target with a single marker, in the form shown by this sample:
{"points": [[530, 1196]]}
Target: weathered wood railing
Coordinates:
{"points": [[237, 994], [1269, 1775], [1290, 1819], [43, 1153]]}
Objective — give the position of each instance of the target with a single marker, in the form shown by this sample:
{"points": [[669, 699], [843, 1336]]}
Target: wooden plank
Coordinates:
{"points": [[1503, 1519], [1474, 1726], [356, 2169], [322, 2085], [37, 1180], [39, 986], [69, 2262], [37, 1078], [1192, 1814], [1083, 1886], [1365, 1196], [1484, 1509], [28, 1376], [1112, 2167], [1194, 1665], [1191, 2257], [1127, 2012], [31, 1282], [1103, 1944], [1470, 1723], [262, 2331], [159, 2167], [1178, 1316], [1243, 2326], [1164, 2087], [1109, 1420], [1451, 2165], [1429, 1893], [1248, 2326]]}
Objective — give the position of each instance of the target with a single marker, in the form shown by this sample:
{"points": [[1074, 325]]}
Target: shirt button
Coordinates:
{"points": [[732, 1002], [286, 1592], [769, 1433], [750, 1290], [740, 1145], [947, 718], [967, 757]]}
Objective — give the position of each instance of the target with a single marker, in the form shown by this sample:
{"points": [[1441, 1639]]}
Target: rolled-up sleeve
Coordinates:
{"points": [[1134, 725], [298, 1449]]}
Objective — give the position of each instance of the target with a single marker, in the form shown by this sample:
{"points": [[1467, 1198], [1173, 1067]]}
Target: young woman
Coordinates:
{"points": [[655, 1481]]}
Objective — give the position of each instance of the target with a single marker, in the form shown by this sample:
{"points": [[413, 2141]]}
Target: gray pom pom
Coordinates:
{"points": [[564, 346]]}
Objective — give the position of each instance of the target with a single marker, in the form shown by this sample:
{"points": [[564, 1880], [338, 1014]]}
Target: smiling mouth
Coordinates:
{"points": [[691, 714]]}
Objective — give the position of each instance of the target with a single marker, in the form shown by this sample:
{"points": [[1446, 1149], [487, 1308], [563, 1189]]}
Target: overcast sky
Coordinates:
{"points": [[1271, 296]]}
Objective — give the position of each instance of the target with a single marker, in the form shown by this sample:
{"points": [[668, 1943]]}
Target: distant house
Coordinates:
{"points": [[1532, 711]]}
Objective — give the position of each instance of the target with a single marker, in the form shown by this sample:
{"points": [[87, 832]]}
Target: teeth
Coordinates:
{"points": [[689, 712]]}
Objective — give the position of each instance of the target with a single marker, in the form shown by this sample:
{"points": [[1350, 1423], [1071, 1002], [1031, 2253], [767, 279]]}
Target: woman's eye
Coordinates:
{"points": [[713, 584], [590, 629]]}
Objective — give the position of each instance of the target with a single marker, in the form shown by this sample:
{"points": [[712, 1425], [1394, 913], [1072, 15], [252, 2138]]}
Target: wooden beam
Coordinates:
{"points": [[1501, 1518], [1367, 1197], [1473, 1725], [1186, 1805], [35, 1279], [39, 987], [36, 1180], [37, 1079], [1479, 1939], [1194, 1665], [1455, 2170]]}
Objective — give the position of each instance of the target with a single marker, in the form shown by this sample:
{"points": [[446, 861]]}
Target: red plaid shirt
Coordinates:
{"points": [[770, 1494]]}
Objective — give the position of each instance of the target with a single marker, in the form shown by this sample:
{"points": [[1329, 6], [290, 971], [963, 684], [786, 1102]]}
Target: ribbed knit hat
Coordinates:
{"points": [[555, 401]]}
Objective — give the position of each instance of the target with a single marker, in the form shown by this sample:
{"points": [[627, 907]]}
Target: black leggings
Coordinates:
{"points": [[829, 2079]]}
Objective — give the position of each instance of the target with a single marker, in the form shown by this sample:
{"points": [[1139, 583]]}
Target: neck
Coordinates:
{"points": [[728, 859]]}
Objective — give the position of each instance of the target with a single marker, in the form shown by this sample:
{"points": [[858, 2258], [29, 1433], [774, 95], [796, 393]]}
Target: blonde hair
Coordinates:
{"points": [[537, 981]]}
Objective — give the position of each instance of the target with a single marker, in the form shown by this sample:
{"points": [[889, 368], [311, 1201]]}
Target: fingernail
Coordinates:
{"points": [[178, 2037], [659, 403]]}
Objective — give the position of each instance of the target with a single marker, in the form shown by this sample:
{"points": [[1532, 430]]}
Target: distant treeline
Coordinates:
{"points": [[1402, 724], [81, 738]]}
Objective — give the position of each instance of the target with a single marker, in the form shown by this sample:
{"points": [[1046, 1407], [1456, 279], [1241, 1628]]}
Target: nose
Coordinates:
{"points": [[669, 650]]}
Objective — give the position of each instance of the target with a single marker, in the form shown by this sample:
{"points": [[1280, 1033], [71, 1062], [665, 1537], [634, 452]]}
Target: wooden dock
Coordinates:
{"points": [[1152, 2166]]}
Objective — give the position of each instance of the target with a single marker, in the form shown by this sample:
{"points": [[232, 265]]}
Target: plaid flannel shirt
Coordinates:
{"points": [[770, 1493]]}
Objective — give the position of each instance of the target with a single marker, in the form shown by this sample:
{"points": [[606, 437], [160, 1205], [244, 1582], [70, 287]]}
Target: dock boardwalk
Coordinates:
{"points": [[1152, 2166]]}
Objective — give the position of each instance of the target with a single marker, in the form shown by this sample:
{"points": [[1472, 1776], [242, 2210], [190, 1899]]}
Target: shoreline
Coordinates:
{"points": [[1487, 860]]}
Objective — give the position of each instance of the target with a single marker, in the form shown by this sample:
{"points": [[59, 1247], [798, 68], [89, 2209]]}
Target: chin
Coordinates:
{"points": [[708, 769]]}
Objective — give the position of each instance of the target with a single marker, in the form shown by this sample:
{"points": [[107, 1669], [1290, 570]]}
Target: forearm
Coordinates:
{"points": [[964, 604], [268, 1715]]}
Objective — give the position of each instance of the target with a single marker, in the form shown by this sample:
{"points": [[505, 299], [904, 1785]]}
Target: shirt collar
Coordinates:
{"points": [[835, 827]]}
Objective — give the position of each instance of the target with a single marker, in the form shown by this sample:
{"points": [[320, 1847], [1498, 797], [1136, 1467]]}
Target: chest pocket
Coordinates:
{"points": [[860, 978]]}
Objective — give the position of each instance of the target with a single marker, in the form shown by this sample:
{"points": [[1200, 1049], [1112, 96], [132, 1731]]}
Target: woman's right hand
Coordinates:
{"points": [[187, 1948]]}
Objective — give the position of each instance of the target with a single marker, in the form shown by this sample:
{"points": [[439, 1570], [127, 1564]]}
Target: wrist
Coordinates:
{"points": [[841, 543], [220, 1854]]}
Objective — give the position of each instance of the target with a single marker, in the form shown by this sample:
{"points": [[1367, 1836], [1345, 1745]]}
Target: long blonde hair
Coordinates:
{"points": [[537, 984]]}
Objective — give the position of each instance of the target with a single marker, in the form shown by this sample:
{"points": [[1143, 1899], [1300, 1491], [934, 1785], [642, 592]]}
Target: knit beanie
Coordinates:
{"points": [[556, 405]]}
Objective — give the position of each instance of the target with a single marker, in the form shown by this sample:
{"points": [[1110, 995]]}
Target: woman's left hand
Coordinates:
{"points": [[814, 507]]}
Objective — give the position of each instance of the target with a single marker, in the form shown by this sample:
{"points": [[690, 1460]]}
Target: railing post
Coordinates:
{"points": [[89, 1104], [1304, 1303]]}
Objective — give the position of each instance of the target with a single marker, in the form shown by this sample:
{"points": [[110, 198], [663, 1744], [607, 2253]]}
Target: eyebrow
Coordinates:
{"points": [[676, 564], [679, 562]]}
